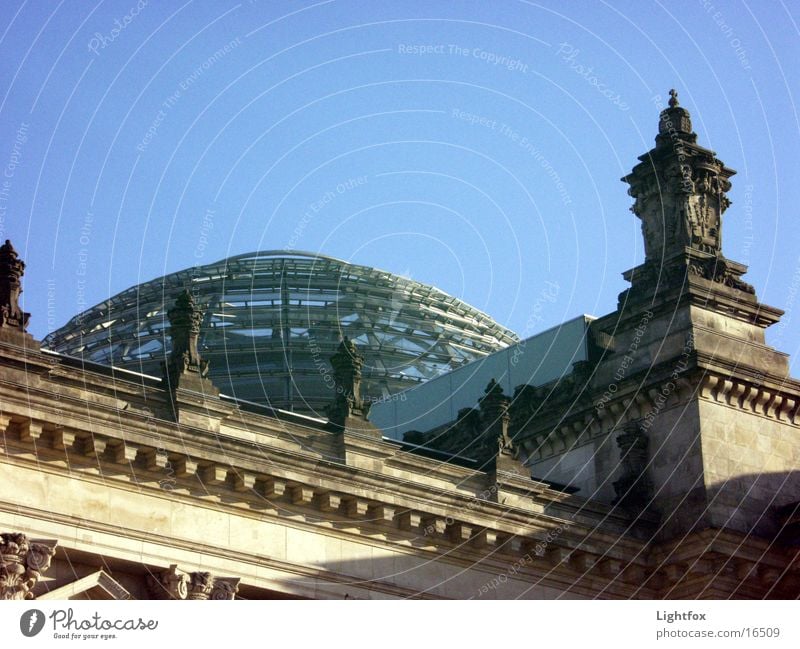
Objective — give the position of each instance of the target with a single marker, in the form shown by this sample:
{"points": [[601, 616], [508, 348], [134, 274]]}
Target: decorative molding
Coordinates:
{"points": [[327, 484], [367, 516], [744, 394], [584, 421]]}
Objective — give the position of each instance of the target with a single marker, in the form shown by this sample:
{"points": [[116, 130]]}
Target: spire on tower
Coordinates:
{"points": [[680, 190]]}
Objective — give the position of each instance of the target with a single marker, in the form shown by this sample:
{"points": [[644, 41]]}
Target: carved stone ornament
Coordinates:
{"points": [[12, 268], [481, 433], [200, 585], [22, 563], [185, 319], [494, 406], [633, 488], [347, 363], [225, 588], [680, 191], [169, 584], [174, 584]]}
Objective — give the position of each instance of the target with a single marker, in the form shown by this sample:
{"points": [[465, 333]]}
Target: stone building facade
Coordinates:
{"points": [[680, 434]]}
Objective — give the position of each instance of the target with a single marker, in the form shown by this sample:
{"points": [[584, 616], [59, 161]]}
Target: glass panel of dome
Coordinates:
{"points": [[380, 311], [102, 355], [126, 329], [253, 304], [252, 333], [103, 325]]}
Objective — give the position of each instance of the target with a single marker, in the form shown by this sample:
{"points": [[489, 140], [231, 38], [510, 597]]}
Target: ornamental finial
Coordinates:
{"points": [[673, 98]]}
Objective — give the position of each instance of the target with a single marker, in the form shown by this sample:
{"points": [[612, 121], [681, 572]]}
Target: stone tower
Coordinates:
{"points": [[718, 402], [685, 406]]}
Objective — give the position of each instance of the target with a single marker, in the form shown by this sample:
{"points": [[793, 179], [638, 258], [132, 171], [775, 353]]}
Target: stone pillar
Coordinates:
{"points": [[22, 562]]}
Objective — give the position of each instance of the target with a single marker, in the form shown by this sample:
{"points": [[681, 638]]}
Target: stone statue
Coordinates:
{"points": [[12, 268]]}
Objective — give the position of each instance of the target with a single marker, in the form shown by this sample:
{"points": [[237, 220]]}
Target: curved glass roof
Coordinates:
{"points": [[273, 319]]}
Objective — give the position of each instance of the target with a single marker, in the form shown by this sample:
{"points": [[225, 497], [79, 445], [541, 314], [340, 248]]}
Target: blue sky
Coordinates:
{"points": [[475, 146]]}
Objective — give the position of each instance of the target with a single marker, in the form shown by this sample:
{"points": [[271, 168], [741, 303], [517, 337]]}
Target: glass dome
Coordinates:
{"points": [[273, 320]]}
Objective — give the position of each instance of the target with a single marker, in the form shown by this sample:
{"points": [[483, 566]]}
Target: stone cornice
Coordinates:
{"points": [[734, 385], [763, 399], [307, 489], [294, 453], [549, 564], [592, 416], [742, 372], [717, 560], [26, 357], [298, 481], [696, 291], [350, 485], [253, 563]]}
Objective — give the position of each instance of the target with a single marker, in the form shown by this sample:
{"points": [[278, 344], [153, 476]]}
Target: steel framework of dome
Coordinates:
{"points": [[273, 319]]}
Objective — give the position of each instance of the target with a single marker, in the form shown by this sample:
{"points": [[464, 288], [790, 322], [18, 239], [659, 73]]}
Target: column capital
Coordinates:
{"points": [[22, 562], [173, 583]]}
